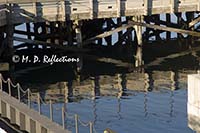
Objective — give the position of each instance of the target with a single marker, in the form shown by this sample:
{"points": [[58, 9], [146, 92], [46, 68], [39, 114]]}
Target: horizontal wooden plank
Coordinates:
{"points": [[188, 32], [36, 42]]}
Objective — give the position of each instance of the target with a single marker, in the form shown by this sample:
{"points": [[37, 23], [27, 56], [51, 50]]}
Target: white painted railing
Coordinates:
{"points": [[21, 93]]}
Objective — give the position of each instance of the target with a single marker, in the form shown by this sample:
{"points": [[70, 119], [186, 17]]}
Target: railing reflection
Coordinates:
{"points": [[124, 85]]}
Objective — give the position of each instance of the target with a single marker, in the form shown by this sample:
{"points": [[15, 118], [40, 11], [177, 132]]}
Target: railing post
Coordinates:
{"points": [[18, 92], [51, 110], [9, 87], [91, 127], [38, 102], [29, 98], [76, 123], [63, 117], [1, 82]]}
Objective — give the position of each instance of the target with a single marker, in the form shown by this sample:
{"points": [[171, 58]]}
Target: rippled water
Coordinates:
{"points": [[161, 111], [153, 100], [152, 112]]}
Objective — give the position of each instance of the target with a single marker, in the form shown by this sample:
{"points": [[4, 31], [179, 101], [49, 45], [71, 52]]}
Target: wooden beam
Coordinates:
{"points": [[108, 33], [172, 56], [36, 42], [131, 23], [192, 33], [196, 20]]}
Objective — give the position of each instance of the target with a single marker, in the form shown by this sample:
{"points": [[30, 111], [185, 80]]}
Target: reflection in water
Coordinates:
{"points": [[131, 93], [154, 97], [172, 103], [174, 80], [97, 86], [148, 81], [174, 86], [145, 104], [94, 106]]}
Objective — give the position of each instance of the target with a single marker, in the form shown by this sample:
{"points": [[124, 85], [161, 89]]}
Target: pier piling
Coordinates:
{"points": [[138, 31]]}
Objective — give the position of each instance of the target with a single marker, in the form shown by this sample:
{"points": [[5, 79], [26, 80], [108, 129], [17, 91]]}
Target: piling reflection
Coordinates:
{"points": [[112, 92]]}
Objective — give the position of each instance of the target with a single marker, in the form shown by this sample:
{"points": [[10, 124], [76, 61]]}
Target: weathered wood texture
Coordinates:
{"points": [[55, 10]]}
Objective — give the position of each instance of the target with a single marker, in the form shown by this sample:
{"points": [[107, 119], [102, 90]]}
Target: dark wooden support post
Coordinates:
{"points": [[2, 47], [179, 18], [52, 31], [129, 30], [157, 33], [174, 5], [39, 30], [138, 31], [69, 32], [9, 33], [168, 20], [28, 30], [36, 33], [100, 27], [109, 27], [147, 31], [190, 17], [61, 32], [43, 32], [79, 40], [119, 22], [70, 88]]}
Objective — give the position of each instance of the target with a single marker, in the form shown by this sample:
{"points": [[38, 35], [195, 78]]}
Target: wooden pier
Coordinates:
{"points": [[73, 24]]}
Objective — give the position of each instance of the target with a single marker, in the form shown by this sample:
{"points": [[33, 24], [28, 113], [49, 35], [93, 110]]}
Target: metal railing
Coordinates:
{"points": [[21, 93]]}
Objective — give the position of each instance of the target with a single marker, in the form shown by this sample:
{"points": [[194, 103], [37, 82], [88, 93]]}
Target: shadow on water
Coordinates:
{"points": [[121, 97]]}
